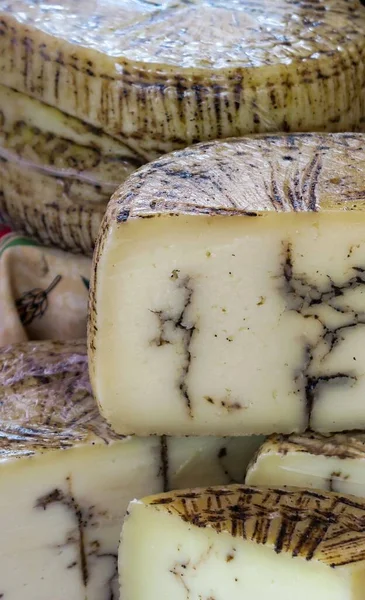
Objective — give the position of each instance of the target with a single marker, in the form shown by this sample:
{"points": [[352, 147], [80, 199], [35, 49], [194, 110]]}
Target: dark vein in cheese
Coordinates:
{"points": [[169, 324], [57, 496], [164, 462], [113, 578], [84, 518], [306, 298]]}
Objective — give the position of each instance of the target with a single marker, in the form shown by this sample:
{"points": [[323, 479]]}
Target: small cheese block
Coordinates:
{"points": [[66, 478], [240, 542], [333, 462], [227, 294]]}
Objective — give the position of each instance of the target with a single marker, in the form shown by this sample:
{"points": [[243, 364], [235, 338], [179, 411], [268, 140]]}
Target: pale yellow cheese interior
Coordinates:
{"points": [[61, 511], [232, 325], [340, 466]]}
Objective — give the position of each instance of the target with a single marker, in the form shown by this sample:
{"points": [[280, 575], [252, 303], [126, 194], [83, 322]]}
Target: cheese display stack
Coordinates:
{"points": [[242, 542], [66, 478], [89, 91], [226, 301], [228, 285], [333, 462]]}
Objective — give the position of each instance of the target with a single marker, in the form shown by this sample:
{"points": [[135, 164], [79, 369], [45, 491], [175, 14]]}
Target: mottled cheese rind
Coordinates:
{"points": [[152, 75], [332, 462], [46, 400], [302, 172], [56, 172], [117, 24]]}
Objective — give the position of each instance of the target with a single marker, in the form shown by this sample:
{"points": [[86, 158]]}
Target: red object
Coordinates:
{"points": [[4, 230]]}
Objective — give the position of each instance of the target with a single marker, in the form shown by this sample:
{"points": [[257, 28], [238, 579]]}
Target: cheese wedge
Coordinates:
{"points": [[332, 462], [161, 75], [66, 478], [56, 173], [227, 294], [242, 542]]}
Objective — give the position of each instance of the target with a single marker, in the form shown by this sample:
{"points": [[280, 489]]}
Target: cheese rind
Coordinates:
{"points": [[67, 478], [150, 74], [227, 290], [56, 173], [331, 462], [243, 542]]}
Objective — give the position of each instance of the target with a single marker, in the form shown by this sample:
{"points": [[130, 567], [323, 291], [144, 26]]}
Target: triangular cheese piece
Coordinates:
{"points": [[242, 542]]}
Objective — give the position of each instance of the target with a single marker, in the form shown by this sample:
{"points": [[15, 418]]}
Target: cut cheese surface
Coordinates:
{"points": [[243, 542], [149, 73], [227, 294], [66, 478], [331, 462]]}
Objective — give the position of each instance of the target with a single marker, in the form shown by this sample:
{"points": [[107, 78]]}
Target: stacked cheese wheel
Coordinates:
{"points": [[89, 91], [226, 301]]}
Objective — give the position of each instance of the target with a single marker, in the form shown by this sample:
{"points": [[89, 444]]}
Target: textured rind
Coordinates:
{"points": [[54, 210], [56, 173], [46, 400], [340, 445], [283, 173], [312, 524], [151, 74]]}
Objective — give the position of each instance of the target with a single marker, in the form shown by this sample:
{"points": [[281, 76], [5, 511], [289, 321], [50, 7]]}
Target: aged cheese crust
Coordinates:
{"points": [[339, 445], [45, 399], [56, 173], [150, 74], [282, 173], [310, 524]]}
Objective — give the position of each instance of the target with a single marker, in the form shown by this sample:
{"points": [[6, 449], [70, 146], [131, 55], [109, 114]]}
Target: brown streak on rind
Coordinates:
{"points": [[120, 78], [254, 177], [350, 445], [315, 525]]}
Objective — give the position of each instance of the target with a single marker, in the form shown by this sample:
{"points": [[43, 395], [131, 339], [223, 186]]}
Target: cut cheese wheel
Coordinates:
{"points": [[165, 74], [227, 295], [242, 542], [66, 478], [332, 462]]}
